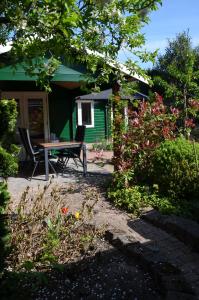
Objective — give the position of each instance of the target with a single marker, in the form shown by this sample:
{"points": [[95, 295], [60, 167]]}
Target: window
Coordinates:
{"points": [[85, 113]]}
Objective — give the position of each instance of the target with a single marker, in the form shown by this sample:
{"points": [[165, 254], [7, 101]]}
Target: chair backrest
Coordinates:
{"points": [[25, 138], [80, 133]]}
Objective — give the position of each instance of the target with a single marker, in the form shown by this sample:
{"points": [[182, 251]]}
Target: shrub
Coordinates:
{"points": [[8, 115], [8, 163], [128, 198], [8, 166], [4, 241], [175, 169], [148, 125]]}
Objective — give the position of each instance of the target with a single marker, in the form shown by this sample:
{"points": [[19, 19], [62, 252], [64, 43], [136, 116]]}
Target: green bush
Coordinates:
{"points": [[8, 163], [4, 233], [131, 199], [8, 167], [175, 169], [8, 115]]}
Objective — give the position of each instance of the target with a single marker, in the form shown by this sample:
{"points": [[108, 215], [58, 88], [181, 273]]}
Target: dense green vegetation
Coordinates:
{"points": [[157, 164], [175, 169], [90, 33], [8, 166], [176, 76], [157, 168]]}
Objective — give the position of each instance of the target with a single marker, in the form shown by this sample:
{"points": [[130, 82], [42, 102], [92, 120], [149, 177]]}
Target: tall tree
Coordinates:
{"points": [[65, 29], [176, 73], [91, 31]]}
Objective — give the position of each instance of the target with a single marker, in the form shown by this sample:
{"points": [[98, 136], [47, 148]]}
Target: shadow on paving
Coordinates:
{"points": [[173, 256], [106, 275], [26, 168], [96, 178]]}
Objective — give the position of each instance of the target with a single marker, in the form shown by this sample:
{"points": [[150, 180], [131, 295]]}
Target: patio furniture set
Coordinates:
{"points": [[38, 151]]}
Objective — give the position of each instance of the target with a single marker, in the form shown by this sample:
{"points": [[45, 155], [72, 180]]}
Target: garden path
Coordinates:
{"points": [[105, 214]]}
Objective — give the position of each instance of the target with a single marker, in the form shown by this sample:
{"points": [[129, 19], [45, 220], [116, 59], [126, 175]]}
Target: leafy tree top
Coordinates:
{"points": [[176, 73], [68, 29]]}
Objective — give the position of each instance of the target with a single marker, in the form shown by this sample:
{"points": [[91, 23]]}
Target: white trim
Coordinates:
{"points": [[118, 66], [79, 112], [5, 48]]}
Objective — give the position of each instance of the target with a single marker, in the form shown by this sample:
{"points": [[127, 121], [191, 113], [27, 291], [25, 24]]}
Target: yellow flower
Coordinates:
{"points": [[77, 215]]}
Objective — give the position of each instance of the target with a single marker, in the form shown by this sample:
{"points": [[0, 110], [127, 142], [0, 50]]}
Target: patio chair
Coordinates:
{"points": [[74, 152], [35, 155]]}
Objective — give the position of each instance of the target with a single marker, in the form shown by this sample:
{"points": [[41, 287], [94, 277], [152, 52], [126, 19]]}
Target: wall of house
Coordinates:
{"points": [[60, 113], [98, 132], [63, 111]]}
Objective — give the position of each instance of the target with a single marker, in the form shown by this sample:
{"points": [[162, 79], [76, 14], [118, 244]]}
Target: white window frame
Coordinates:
{"points": [[79, 112]]}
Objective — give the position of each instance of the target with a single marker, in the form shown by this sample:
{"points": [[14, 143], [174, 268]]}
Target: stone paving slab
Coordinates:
{"points": [[185, 230], [168, 278], [174, 251]]}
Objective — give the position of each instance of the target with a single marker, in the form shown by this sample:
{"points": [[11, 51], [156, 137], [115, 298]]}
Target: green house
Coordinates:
{"points": [[56, 114], [95, 109]]}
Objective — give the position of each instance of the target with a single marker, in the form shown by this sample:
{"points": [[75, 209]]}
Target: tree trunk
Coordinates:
{"points": [[117, 126]]}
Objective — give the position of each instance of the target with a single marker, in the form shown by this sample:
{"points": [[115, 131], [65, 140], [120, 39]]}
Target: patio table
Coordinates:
{"points": [[47, 146]]}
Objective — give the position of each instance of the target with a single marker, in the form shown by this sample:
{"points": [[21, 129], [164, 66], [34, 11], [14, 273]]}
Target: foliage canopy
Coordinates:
{"points": [[176, 73], [68, 29]]}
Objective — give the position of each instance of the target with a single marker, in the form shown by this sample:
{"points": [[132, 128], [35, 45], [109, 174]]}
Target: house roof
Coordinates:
{"points": [[106, 94], [119, 66], [63, 73], [21, 74]]}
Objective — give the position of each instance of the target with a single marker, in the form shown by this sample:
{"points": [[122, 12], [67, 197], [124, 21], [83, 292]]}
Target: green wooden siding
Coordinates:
{"points": [[97, 133], [60, 113], [63, 111]]}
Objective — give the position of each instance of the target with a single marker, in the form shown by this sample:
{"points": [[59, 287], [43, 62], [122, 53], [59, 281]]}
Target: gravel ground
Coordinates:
{"points": [[106, 273]]}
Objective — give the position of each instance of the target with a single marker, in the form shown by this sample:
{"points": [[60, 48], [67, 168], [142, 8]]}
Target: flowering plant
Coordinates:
{"points": [[148, 125]]}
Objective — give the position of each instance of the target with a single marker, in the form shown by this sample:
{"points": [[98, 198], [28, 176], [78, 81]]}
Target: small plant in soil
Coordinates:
{"points": [[45, 232]]}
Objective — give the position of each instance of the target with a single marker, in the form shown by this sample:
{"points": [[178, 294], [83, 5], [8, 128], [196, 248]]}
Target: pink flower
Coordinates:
{"points": [[194, 104], [156, 110], [189, 123], [158, 98], [166, 132], [175, 111], [135, 122]]}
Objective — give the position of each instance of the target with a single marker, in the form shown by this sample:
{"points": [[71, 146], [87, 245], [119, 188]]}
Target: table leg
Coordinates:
{"points": [[84, 160], [46, 163]]}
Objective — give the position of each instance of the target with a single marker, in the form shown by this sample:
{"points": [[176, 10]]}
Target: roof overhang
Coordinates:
{"points": [[106, 95], [63, 74]]}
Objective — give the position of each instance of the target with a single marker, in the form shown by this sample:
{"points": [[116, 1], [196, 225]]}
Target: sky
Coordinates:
{"points": [[173, 17]]}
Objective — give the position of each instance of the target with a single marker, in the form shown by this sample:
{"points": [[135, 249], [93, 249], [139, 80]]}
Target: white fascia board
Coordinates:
{"points": [[118, 65], [6, 48]]}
